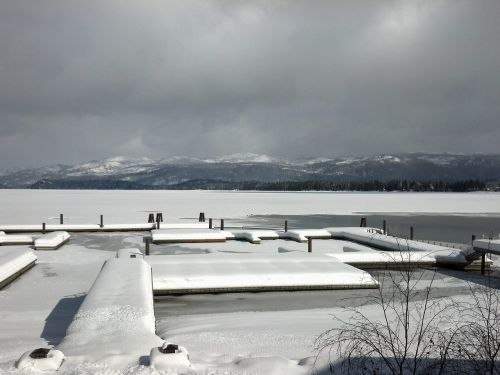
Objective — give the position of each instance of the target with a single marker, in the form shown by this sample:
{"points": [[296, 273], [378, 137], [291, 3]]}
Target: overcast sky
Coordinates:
{"points": [[83, 80]]}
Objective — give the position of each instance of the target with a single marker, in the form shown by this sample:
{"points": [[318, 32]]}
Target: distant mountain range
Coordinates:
{"points": [[182, 172]]}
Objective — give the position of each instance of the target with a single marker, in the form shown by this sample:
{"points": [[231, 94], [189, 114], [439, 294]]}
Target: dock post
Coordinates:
{"points": [[473, 238], [309, 245], [147, 246], [159, 217], [102, 221], [483, 263], [61, 219], [411, 233], [286, 225], [151, 218], [43, 228], [201, 218], [363, 222], [221, 224], [210, 223], [384, 227]]}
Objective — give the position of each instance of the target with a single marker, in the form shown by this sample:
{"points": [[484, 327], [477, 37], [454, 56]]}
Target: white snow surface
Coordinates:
{"points": [[115, 323], [51, 240], [15, 260], [227, 271], [15, 239], [188, 235], [302, 235], [84, 206]]}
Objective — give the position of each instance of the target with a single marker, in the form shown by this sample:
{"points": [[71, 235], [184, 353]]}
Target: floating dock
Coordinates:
{"points": [[229, 273], [14, 263]]}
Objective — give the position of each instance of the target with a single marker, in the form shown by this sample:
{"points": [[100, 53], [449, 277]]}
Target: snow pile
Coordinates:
{"points": [[51, 241], [170, 358], [37, 360], [301, 235], [255, 236], [253, 272], [115, 323], [189, 235], [13, 263]]}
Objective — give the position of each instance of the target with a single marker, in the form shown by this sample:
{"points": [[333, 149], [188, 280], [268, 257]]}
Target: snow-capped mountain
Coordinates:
{"points": [[126, 172]]}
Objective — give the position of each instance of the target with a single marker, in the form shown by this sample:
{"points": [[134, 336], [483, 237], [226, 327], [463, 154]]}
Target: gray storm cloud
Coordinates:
{"points": [[83, 80]]}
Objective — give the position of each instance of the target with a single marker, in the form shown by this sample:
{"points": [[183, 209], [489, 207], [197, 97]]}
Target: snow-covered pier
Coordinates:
{"points": [[14, 263], [228, 273], [115, 323], [33, 228], [375, 238]]}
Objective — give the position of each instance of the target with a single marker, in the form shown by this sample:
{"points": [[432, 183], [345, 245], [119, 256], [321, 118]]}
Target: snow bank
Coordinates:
{"points": [[373, 237], [14, 263], [51, 241], [252, 272], [490, 246], [115, 323], [301, 235], [189, 235], [15, 239]]}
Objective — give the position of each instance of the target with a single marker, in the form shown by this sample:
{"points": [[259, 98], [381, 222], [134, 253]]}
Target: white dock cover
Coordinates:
{"points": [[189, 235], [51, 240], [205, 273], [15, 239], [301, 235], [13, 263], [115, 323]]}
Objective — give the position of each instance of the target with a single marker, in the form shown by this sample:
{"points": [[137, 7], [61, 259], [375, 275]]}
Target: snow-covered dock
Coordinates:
{"points": [[15, 239], [31, 228], [14, 263], [487, 246], [115, 323], [216, 273], [302, 235], [51, 241], [373, 237], [186, 235]]}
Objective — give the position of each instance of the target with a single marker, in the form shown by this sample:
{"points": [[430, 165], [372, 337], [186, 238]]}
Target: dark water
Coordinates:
{"points": [[445, 228]]}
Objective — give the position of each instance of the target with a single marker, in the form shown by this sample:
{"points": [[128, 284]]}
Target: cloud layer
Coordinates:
{"points": [[83, 80]]}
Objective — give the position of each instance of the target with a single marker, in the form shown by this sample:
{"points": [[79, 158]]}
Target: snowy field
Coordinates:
{"points": [[260, 333]]}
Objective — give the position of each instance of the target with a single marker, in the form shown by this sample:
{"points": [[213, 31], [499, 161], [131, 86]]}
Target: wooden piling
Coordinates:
{"points": [[201, 217], [61, 219], [159, 217], [221, 224], [151, 218], [411, 233], [210, 223], [384, 227], [43, 228], [147, 246], [473, 238], [309, 244], [483, 263], [286, 225], [102, 221]]}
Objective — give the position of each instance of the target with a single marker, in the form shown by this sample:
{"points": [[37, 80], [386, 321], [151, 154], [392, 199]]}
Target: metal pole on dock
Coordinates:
{"points": [[43, 228], [221, 224], [286, 225], [384, 226], [411, 233], [309, 245], [147, 246], [61, 219], [483, 263], [102, 221], [210, 223]]}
